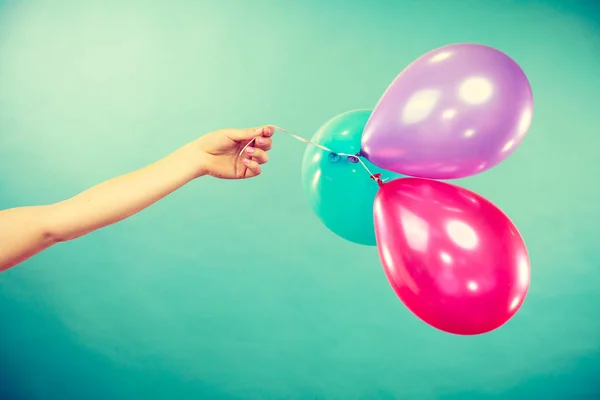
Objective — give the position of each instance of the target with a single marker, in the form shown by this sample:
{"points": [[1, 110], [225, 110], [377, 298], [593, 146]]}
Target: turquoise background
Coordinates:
{"points": [[234, 290]]}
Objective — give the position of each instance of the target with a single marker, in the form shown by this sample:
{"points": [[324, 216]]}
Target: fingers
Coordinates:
{"points": [[253, 167], [264, 143], [267, 131], [255, 152], [251, 133], [259, 155]]}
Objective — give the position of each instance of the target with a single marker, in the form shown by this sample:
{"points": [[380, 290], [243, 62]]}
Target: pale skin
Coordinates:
{"points": [[27, 231]]}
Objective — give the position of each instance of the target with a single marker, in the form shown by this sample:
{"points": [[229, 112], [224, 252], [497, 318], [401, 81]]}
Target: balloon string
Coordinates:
{"points": [[351, 157]]}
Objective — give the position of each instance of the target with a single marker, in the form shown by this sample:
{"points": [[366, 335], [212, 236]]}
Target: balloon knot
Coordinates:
{"points": [[334, 157], [377, 178]]}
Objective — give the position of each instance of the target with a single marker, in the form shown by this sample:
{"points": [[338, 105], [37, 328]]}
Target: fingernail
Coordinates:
{"points": [[247, 161], [250, 150], [261, 140]]}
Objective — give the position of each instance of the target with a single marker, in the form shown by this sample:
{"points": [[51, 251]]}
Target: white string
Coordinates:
{"points": [[301, 139]]}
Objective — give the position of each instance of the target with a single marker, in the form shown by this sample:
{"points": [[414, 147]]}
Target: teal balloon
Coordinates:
{"points": [[340, 190]]}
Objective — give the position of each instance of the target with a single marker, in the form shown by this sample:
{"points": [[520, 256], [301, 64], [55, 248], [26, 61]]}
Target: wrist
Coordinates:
{"points": [[193, 160]]}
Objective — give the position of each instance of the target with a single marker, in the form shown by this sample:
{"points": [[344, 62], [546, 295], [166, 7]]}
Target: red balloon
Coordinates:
{"points": [[452, 257]]}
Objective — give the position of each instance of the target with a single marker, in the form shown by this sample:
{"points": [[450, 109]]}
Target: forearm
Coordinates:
{"points": [[27, 231], [23, 234], [121, 197]]}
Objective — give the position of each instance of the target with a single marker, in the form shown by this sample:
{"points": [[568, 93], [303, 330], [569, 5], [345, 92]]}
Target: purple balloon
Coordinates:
{"points": [[455, 112]]}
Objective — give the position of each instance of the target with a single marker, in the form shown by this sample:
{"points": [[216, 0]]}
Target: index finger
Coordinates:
{"points": [[268, 131]]}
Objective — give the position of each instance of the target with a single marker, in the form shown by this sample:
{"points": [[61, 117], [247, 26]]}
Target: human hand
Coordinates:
{"points": [[220, 152]]}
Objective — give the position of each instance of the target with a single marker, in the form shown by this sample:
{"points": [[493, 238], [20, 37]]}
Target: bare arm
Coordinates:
{"points": [[26, 231]]}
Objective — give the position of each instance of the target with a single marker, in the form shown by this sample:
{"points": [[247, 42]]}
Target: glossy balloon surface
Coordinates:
{"points": [[452, 257], [339, 189], [455, 112]]}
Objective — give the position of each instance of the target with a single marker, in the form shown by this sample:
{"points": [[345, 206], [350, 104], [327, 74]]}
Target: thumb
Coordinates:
{"points": [[240, 135]]}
